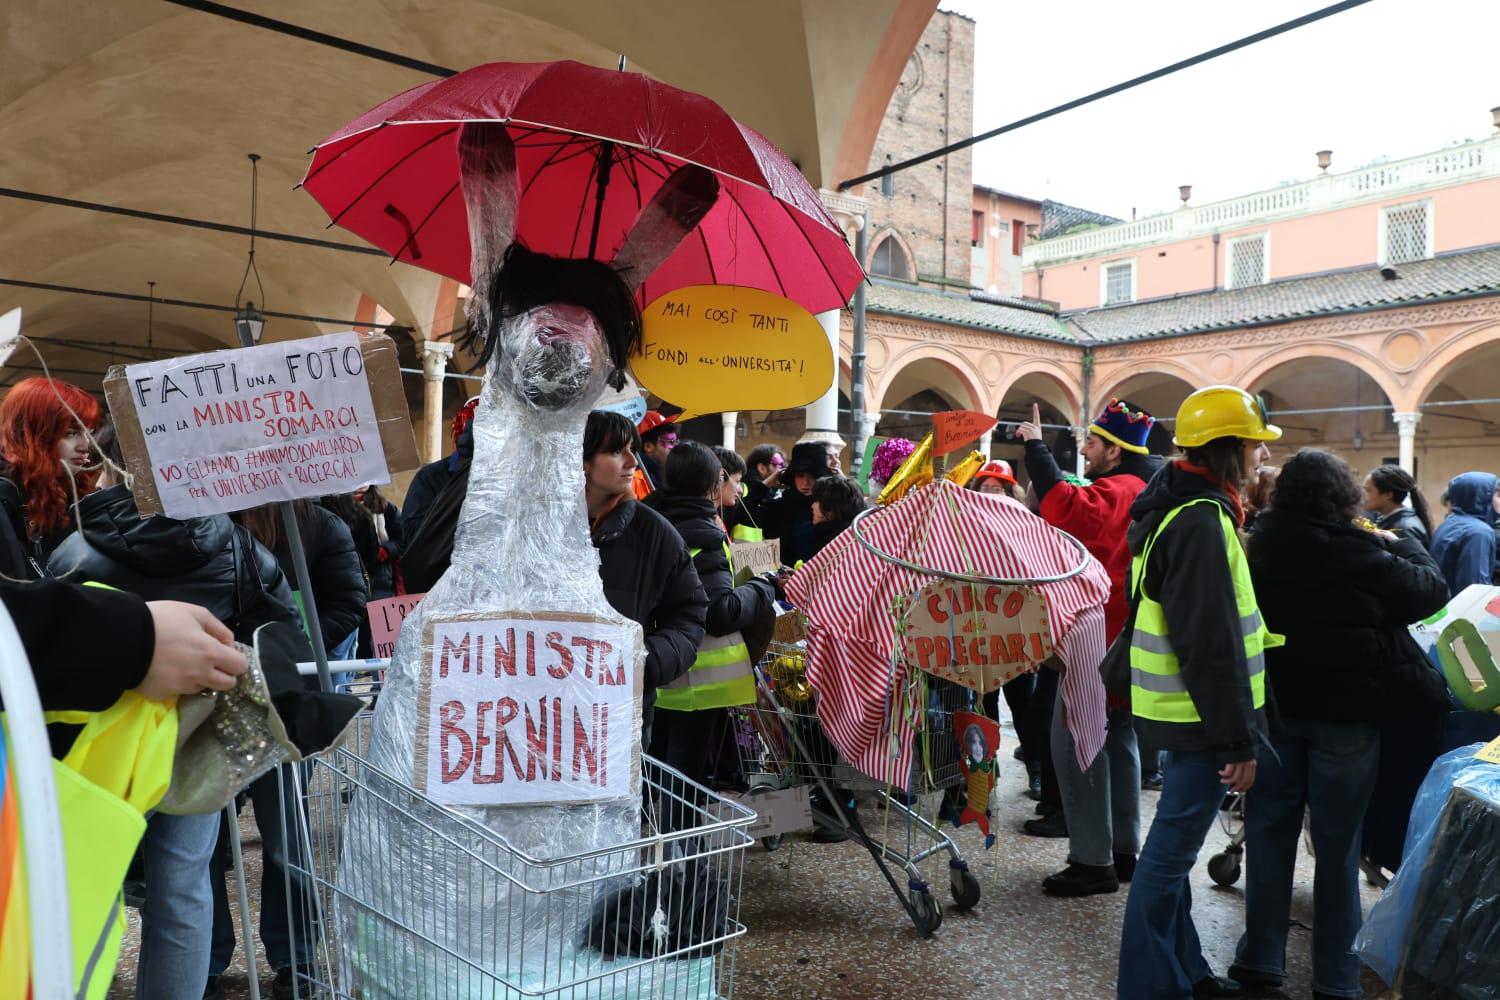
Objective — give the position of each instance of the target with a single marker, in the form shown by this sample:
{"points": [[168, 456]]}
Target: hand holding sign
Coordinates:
{"points": [[1032, 430], [956, 428]]}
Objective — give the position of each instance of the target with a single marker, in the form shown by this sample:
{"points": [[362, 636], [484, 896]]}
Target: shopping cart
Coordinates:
{"points": [[657, 917], [782, 746]]}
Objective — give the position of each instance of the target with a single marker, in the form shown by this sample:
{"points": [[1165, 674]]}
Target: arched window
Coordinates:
{"points": [[891, 260]]}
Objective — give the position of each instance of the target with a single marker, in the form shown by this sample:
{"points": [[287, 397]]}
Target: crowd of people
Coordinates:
{"points": [[1257, 622]]}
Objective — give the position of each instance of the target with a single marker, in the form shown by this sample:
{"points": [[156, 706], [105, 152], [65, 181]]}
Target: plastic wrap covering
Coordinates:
{"points": [[522, 550], [1435, 931]]}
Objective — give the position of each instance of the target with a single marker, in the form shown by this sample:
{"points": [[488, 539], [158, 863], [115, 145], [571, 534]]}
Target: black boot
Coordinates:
{"points": [[1082, 880], [1212, 986], [1048, 826], [1125, 866], [828, 825]]}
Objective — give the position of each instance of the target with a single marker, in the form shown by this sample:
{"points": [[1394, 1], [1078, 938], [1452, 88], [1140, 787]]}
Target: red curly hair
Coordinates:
{"points": [[32, 423]]}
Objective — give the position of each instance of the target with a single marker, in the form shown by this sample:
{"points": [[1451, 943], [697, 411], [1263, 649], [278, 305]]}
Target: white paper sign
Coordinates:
{"points": [[522, 710], [10, 334], [235, 429]]}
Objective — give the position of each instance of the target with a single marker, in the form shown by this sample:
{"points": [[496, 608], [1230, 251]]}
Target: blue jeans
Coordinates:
{"points": [[177, 918], [287, 941], [1328, 768], [1160, 957], [1103, 804]]}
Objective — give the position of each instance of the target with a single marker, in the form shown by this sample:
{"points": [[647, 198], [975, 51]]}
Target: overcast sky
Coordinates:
{"points": [[1391, 79]]}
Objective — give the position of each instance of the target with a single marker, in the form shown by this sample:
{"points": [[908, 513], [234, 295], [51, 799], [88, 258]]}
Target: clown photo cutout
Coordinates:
{"points": [[978, 744]]}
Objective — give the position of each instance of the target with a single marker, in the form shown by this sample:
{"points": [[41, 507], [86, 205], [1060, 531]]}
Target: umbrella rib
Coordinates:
{"points": [[583, 204], [765, 250], [552, 160], [334, 159], [808, 239], [386, 173], [411, 240]]}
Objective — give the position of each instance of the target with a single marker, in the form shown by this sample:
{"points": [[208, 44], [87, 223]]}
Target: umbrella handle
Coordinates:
{"points": [[1083, 560]]}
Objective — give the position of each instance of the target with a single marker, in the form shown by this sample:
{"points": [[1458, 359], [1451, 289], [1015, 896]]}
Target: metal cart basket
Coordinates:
{"points": [[657, 917]]}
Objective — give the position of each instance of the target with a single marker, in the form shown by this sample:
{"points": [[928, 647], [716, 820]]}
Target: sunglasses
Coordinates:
{"points": [[778, 462]]}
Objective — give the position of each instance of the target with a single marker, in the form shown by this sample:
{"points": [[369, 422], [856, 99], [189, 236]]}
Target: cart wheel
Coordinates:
{"points": [[1224, 868], [773, 843], [929, 914], [965, 887]]}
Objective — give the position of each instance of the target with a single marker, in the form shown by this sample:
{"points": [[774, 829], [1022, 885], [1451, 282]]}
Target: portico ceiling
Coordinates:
{"points": [[148, 105]]}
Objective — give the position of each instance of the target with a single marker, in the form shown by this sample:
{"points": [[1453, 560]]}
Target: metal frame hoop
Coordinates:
{"points": [[966, 577]]}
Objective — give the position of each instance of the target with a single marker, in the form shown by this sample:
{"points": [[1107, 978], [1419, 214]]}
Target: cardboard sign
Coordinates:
{"points": [[777, 811], [713, 348], [10, 334], [386, 616], [229, 430], [753, 558], [956, 428], [977, 636], [1490, 751], [524, 707]]}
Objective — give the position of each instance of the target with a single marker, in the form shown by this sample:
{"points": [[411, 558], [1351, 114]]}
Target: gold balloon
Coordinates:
{"points": [[914, 473], [964, 471], [789, 677]]}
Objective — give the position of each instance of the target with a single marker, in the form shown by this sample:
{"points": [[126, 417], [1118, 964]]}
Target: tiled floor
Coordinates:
{"points": [[824, 924]]}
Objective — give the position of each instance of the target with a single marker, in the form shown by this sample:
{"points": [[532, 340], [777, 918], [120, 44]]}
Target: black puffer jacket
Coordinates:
{"points": [[338, 577], [1405, 522], [206, 561], [1343, 598], [730, 608], [789, 518], [649, 578]]}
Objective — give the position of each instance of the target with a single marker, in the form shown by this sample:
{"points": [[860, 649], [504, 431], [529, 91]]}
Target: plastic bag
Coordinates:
{"points": [[1435, 931]]}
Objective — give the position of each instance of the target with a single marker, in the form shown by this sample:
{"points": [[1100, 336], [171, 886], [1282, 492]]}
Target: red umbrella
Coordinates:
{"points": [[592, 147]]}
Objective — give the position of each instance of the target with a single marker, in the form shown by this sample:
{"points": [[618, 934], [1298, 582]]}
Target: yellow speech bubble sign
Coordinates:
{"points": [[713, 348]]}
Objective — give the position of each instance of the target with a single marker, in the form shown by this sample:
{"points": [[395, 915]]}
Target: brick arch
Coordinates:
{"points": [[1363, 360], [890, 232], [955, 362], [1439, 364], [1069, 391]]}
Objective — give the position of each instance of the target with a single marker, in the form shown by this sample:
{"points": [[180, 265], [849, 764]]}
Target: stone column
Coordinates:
{"points": [[1080, 435], [435, 355], [730, 420], [823, 412], [1406, 430]]}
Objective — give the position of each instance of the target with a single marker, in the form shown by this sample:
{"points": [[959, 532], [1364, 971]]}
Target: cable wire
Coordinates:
{"points": [[1157, 74]]}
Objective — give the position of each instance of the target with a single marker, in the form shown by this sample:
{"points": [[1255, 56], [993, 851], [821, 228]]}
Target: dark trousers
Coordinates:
{"points": [[289, 937], [1038, 729]]}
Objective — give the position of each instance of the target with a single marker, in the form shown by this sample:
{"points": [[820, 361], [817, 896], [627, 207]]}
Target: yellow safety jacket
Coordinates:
{"points": [[1157, 690], [721, 676]]}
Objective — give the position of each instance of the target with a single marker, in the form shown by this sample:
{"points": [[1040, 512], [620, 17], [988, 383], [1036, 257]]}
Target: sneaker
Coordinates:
{"points": [[1151, 782], [1082, 880], [214, 990], [1048, 826], [1217, 986], [1125, 866]]}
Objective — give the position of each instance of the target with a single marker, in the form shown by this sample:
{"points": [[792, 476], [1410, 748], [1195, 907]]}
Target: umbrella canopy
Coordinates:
{"points": [[592, 147], [848, 594]]}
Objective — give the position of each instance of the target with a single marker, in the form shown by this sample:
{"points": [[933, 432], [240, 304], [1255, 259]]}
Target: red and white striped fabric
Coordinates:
{"points": [[847, 593]]}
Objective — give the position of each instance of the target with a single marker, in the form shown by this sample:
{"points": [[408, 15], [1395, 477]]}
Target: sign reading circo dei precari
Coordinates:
{"points": [[977, 635]]}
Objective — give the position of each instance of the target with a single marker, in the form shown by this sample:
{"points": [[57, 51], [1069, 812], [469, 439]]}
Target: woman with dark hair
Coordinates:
{"points": [[690, 717], [835, 502], [734, 510], [1195, 676], [647, 573], [1343, 596], [1386, 490], [44, 466]]}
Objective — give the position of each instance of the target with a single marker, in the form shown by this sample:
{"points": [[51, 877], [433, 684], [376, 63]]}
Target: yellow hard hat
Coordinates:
{"points": [[1221, 411]]}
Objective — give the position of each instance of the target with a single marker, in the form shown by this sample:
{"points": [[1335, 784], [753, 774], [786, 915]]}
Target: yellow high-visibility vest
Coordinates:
{"points": [[1157, 691], [721, 676]]}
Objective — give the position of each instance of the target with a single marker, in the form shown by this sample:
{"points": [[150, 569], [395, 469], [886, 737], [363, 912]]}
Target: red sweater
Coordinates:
{"points": [[1098, 515]]}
